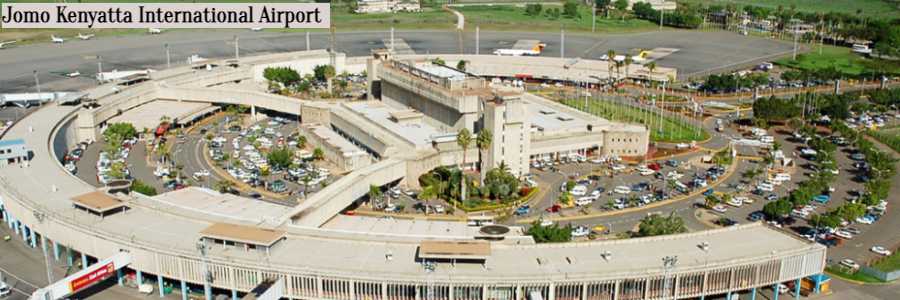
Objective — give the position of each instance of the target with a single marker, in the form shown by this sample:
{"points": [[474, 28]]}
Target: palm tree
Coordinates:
{"points": [[464, 140], [306, 179], [628, 61], [611, 60], [483, 142], [374, 194], [652, 67]]}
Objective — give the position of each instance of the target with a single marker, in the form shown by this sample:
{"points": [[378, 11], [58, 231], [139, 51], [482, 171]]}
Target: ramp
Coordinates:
{"points": [[85, 278]]}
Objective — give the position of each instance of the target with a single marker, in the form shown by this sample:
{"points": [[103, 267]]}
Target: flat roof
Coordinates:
{"points": [[441, 71], [98, 201], [13, 142], [419, 134], [243, 234], [148, 115], [334, 139], [455, 249], [197, 200]]}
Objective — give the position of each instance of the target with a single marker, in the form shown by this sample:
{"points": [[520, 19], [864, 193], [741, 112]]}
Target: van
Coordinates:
{"points": [[584, 201], [782, 177], [768, 139], [4, 289], [622, 189]]}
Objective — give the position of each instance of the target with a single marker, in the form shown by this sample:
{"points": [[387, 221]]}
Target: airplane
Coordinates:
{"points": [[641, 57], [534, 51], [85, 37], [256, 29], [73, 74], [154, 30], [57, 40], [3, 44]]}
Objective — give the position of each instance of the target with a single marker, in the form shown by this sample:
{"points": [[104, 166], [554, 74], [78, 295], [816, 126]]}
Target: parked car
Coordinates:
{"points": [[849, 263], [523, 210], [881, 250], [554, 208], [580, 231]]}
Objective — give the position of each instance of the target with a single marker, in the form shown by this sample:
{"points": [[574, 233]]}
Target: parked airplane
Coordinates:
{"points": [[3, 44], [154, 30], [523, 48], [57, 40], [85, 37], [641, 57], [256, 29], [73, 74]]}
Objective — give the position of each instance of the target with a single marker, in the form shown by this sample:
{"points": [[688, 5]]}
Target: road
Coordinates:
{"points": [[698, 50]]}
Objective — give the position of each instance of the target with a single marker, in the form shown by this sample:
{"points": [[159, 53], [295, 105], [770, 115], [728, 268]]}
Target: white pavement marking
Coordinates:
{"points": [[400, 46]]}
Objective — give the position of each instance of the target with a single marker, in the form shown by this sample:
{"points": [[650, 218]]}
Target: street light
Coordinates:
{"points": [[669, 263]]}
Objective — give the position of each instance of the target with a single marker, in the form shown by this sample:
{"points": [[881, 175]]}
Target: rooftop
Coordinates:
{"points": [[243, 234], [418, 134], [441, 71], [333, 138], [98, 202], [13, 142], [197, 200], [454, 250]]}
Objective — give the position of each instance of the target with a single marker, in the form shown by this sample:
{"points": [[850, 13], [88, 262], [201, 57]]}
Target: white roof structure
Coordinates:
{"points": [[419, 134]]}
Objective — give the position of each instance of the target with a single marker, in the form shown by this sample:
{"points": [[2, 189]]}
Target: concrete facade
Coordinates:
{"points": [[507, 120], [337, 149]]}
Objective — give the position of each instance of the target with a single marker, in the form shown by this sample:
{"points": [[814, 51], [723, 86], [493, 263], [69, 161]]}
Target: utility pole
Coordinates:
{"points": [[477, 37], [307, 41], [331, 49], [237, 50], [207, 276], [562, 42], [662, 14], [594, 17], [668, 264], [794, 32], [392, 38], [168, 58], [37, 83]]}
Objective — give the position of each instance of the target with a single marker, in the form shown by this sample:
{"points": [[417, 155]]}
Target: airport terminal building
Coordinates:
{"points": [[199, 239]]}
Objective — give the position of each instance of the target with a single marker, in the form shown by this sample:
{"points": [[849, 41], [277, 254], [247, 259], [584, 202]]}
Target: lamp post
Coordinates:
{"points": [[669, 263], [207, 276]]}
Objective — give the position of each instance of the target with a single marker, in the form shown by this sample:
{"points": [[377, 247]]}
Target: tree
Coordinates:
{"points": [[611, 60], [651, 66], [318, 154], [621, 6], [890, 44], [710, 201], [501, 184], [374, 193], [656, 224], [224, 186], [461, 65], [570, 9], [306, 179], [533, 10], [483, 142], [550, 234], [603, 5], [283, 75], [464, 140], [143, 188], [628, 61], [324, 73], [438, 61], [124, 130], [280, 158], [777, 209], [117, 170], [301, 141]]}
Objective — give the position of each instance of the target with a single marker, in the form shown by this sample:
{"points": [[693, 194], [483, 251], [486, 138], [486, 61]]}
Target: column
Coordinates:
{"points": [[160, 282], [17, 227], [69, 257], [728, 296], [207, 289], [775, 291], [234, 295], [184, 291], [55, 251], [33, 236], [797, 289], [84, 261], [551, 295], [119, 278], [44, 244], [753, 294], [139, 277]]}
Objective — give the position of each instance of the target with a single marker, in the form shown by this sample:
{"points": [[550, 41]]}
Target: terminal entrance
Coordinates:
{"points": [[83, 279]]}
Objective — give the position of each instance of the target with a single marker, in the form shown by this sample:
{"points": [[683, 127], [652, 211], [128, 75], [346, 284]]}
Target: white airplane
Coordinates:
{"points": [[256, 29], [154, 30], [85, 37], [3, 44], [57, 40], [516, 52], [641, 57], [73, 74]]}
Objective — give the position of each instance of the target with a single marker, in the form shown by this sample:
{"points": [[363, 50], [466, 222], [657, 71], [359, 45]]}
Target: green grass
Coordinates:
{"points": [[842, 59], [672, 130], [871, 8], [500, 17], [888, 264], [888, 136], [855, 276]]}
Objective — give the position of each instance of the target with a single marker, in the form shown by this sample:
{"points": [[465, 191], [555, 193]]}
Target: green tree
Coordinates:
{"points": [[438, 61], [224, 186], [777, 209], [318, 154], [710, 201], [461, 65], [374, 193], [621, 5], [280, 158], [550, 234], [283, 75], [533, 10], [483, 142], [656, 224], [123, 130], [143, 188], [323, 72], [464, 140], [570, 9], [301, 141], [117, 170]]}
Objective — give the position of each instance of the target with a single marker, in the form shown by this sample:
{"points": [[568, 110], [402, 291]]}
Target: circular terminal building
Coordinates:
{"points": [[224, 244]]}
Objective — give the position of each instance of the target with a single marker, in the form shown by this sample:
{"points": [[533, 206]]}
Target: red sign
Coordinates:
{"points": [[92, 277]]}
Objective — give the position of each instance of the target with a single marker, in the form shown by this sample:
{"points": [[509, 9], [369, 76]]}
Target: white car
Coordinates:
{"points": [[4, 289], [850, 263], [201, 173], [843, 234], [546, 222], [865, 220], [720, 208], [584, 201], [881, 250], [735, 202], [622, 189], [580, 231], [765, 187]]}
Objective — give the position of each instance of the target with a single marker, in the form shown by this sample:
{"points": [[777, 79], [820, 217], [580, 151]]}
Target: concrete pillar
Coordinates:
{"points": [[84, 261], [119, 278], [753, 294], [184, 290], [139, 277], [775, 291], [551, 295], [207, 290], [55, 251], [728, 295], [160, 282], [33, 238], [253, 112], [69, 259], [234, 295], [17, 227], [44, 244], [797, 289]]}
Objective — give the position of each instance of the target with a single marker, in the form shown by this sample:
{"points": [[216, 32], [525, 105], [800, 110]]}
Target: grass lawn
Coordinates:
{"points": [[513, 18], [840, 58], [672, 130], [888, 264], [890, 137], [871, 8], [856, 276]]}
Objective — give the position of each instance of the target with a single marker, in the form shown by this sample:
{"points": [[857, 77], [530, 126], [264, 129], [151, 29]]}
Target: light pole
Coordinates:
{"points": [[477, 37], [562, 42], [168, 57], [37, 85], [237, 50], [207, 276], [40, 217]]}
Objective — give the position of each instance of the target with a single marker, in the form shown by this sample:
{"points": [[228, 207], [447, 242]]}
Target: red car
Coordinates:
{"points": [[554, 208], [654, 166]]}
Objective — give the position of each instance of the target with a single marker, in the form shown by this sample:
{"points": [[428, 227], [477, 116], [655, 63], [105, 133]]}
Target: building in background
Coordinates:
{"points": [[656, 4], [387, 6]]}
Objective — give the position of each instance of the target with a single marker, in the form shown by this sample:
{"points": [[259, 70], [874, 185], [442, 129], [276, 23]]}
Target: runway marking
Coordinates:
{"points": [[594, 46], [400, 46]]}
